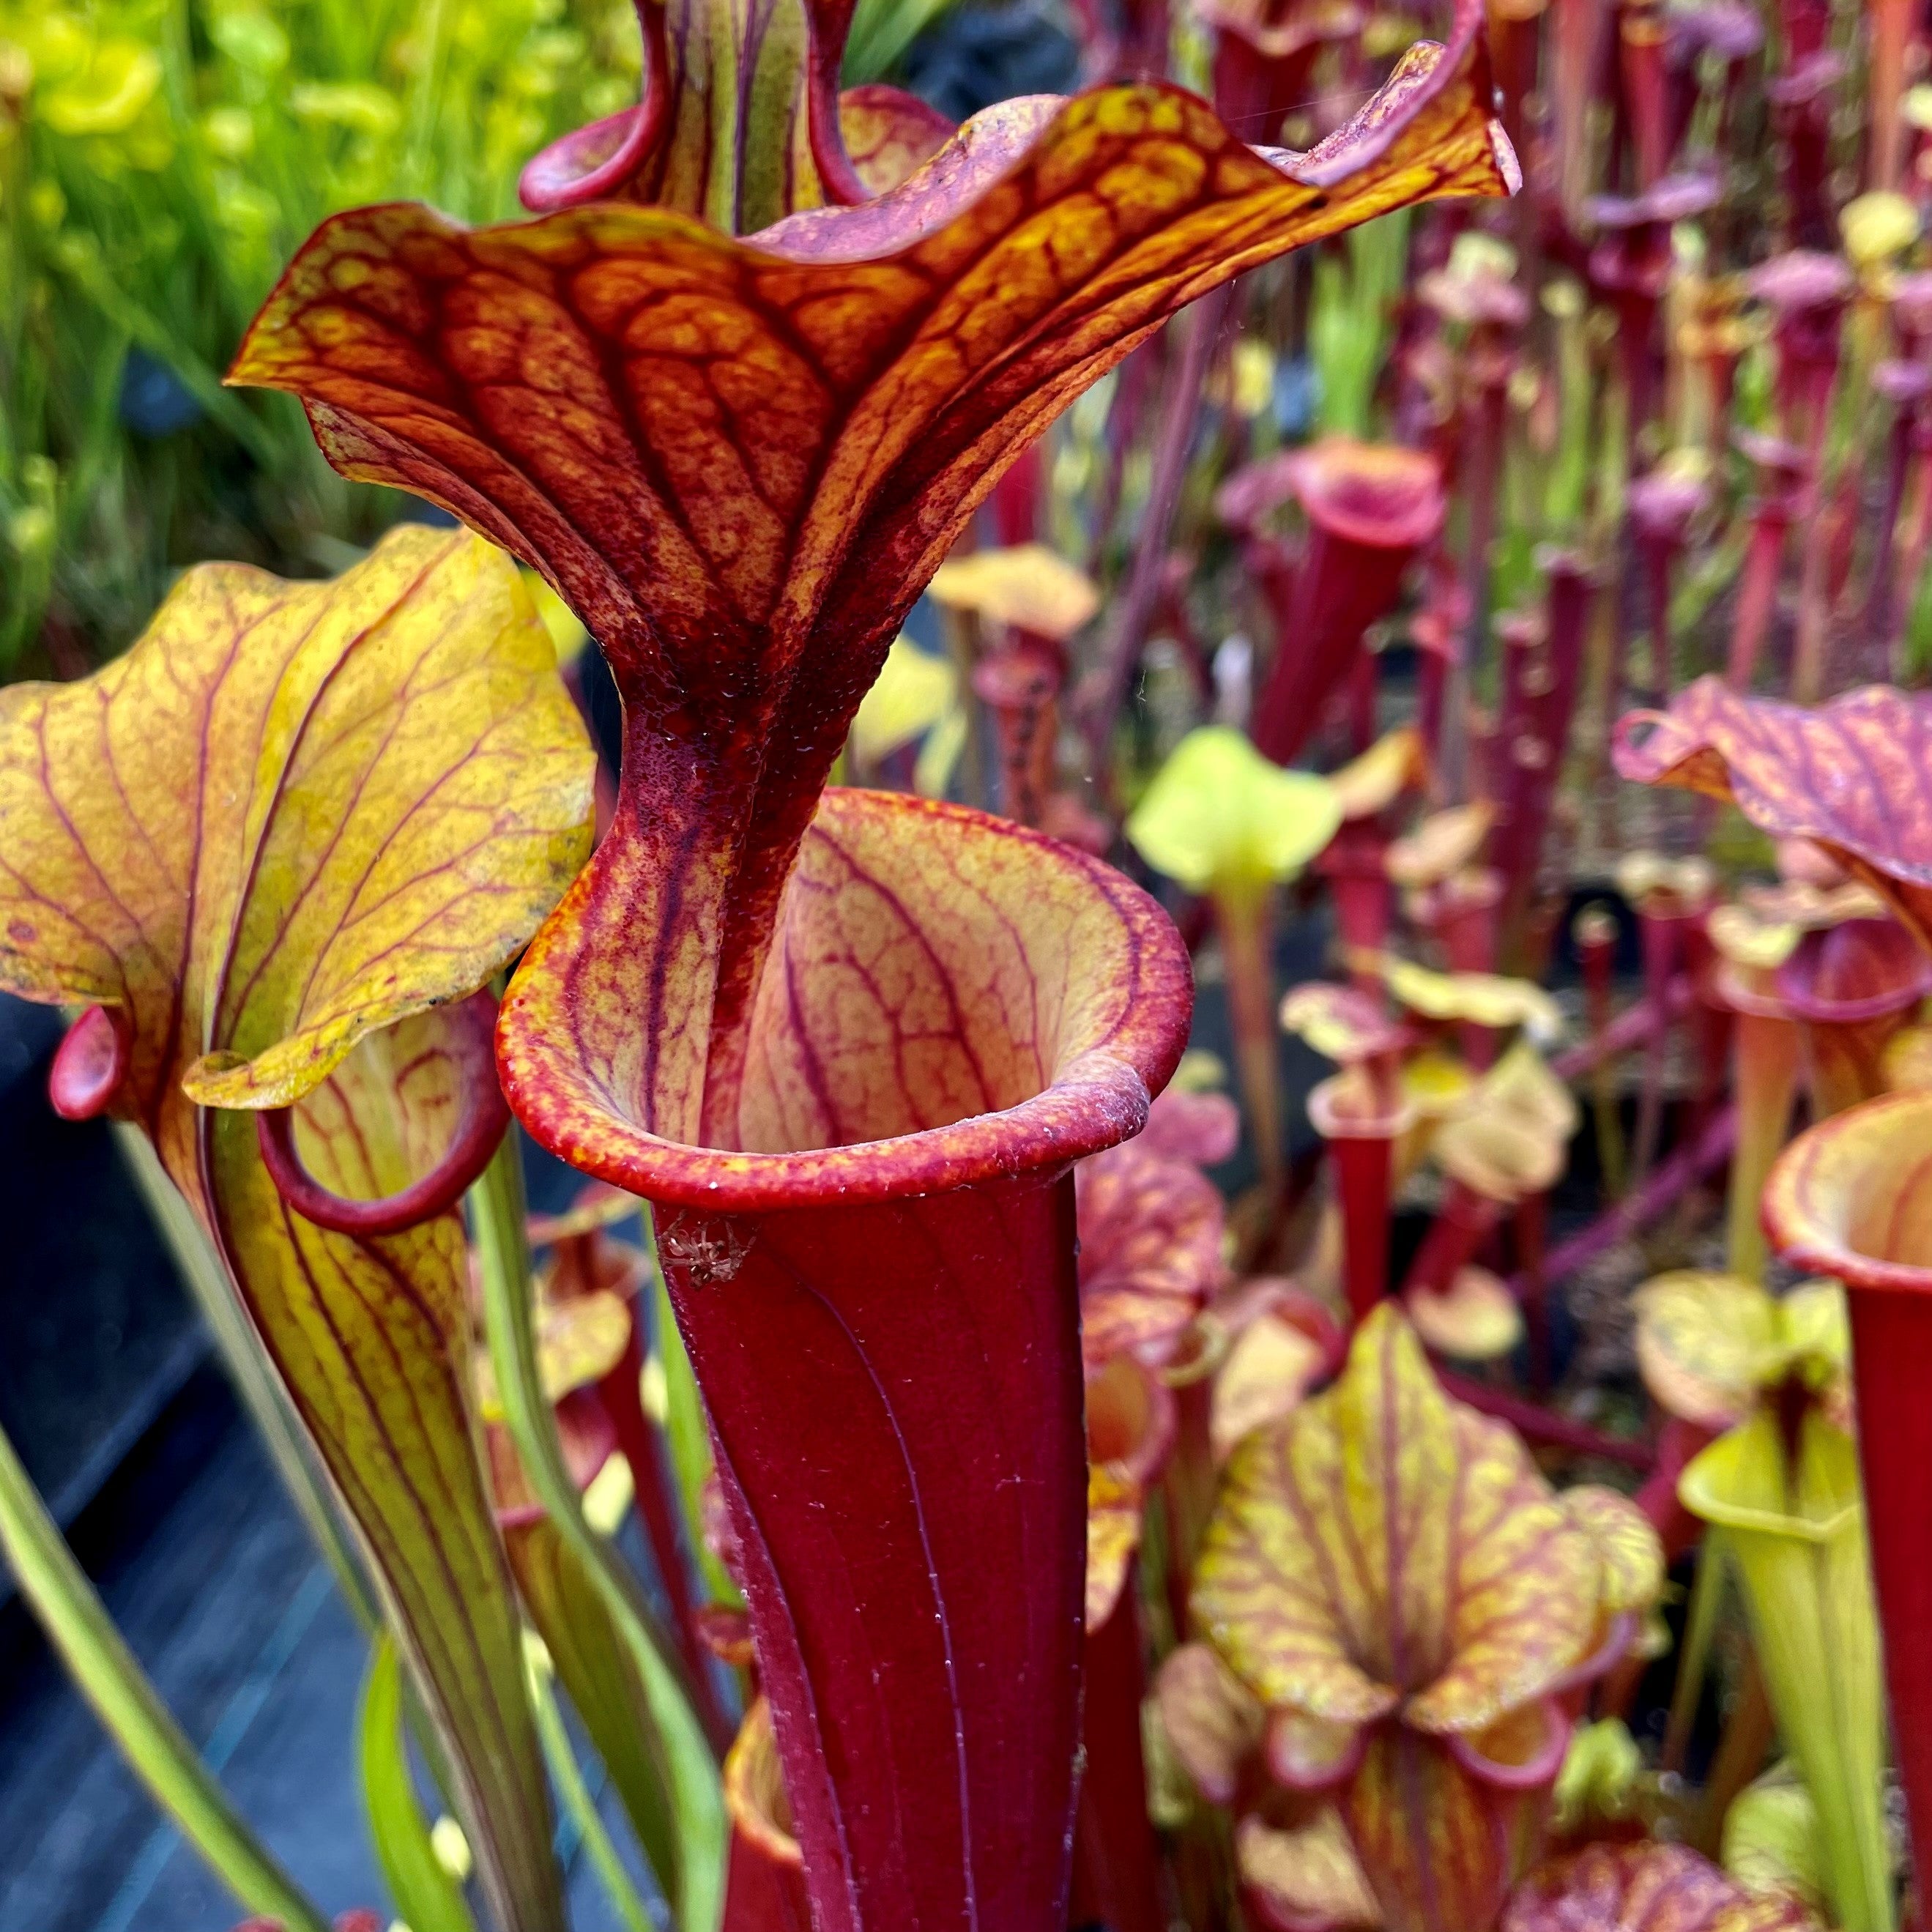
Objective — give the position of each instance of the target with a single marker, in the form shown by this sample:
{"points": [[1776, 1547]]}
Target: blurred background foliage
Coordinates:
{"points": [[160, 160]]}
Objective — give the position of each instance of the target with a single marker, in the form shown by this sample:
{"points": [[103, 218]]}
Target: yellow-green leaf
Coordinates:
{"points": [[1113, 1537], [291, 818], [1444, 843], [1599, 1773], [1373, 780], [1026, 586], [1483, 999], [1711, 1345], [106, 94], [1308, 1875], [916, 690], [430, 1900], [1218, 814], [1384, 1548], [1475, 1318], [1702, 1339], [1795, 1524], [1630, 1557], [1771, 1838], [1265, 1375], [1341, 1023], [579, 1342]]}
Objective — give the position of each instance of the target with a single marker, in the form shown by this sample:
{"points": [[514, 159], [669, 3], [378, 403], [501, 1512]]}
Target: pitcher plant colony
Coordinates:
{"points": [[1241, 1005]]}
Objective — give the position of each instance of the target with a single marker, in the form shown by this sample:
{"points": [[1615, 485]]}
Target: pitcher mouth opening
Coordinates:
{"points": [[982, 962], [1844, 1198]]}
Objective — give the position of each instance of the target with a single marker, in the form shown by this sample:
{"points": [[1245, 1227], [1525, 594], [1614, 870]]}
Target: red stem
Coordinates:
{"points": [[1631, 1027], [928, 1716], [1321, 611], [1463, 1221], [1891, 27], [1891, 1340], [1466, 924], [1532, 1219], [1362, 1165], [622, 1393], [1354, 866], [1571, 600], [1757, 591], [1536, 1424], [1514, 44], [1016, 497], [1121, 655], [1433, 681], [1658, 556], [1659, 936], [1116, 1873], [1656, 1197], [1641, 50], [1467, 907], [1363, 683]]}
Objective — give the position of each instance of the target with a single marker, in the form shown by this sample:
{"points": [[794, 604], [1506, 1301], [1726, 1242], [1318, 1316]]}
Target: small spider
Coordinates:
{"points": [[704, 1251]]}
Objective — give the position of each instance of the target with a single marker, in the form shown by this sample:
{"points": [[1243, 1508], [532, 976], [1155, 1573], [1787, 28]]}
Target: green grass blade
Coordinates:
{"points": [[577, 1803], [881, 32], [696, 1792], [131, 1711], [1693, 1655], [594, 1663], [427, 1897], [686, 1430]]}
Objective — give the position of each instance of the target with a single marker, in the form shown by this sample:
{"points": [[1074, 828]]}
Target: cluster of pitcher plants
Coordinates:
{"points": [[1255, 1238]]}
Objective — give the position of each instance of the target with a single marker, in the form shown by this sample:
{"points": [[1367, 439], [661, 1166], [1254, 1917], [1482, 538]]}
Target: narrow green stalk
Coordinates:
{"points": [[1613, 469], [1743, 1745], [1789, 1502], [432, 36], [1567, 487], [249, 1369], [85, 268], [1609, 1128], [882, 30], [1694, 1653], [575, 1794], [697, 1793], [1241, 915], [1707, 579], [428, 1898], [131, 1710], [1348, 321], [685, 1429]]}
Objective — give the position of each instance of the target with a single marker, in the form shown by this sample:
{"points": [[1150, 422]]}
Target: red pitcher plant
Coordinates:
{"points": [[810, 1026]]}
